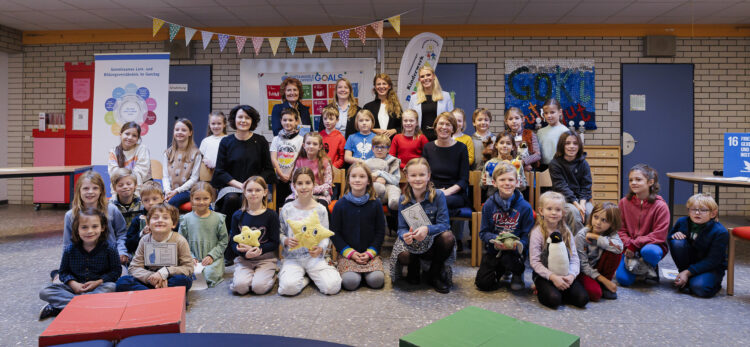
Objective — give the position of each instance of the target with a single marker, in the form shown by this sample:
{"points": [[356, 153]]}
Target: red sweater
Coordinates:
{"points": [[407, 148], [333, 144], [644, 223]]}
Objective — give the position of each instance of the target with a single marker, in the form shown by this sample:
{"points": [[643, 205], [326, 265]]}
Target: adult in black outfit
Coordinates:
{"points": [[291, 94], [386, 108]]}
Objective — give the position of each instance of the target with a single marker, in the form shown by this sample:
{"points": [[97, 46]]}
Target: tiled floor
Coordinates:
{"points": [[30, 246]]}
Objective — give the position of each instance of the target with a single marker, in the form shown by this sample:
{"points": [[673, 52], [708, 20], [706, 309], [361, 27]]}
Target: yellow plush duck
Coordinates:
{"points": [[308, 232], [248, 236]]}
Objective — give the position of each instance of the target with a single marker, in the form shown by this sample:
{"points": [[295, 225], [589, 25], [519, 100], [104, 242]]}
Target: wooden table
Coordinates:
{"points": [[40, 171], [701, 178]]}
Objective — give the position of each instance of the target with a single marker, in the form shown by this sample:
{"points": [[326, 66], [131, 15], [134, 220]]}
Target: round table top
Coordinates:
{"points": [[708, 177]]}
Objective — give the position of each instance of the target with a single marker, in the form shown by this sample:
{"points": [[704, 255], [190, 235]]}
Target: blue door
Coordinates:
{"points": [[657, 122], [190, 97], [461, 81]]}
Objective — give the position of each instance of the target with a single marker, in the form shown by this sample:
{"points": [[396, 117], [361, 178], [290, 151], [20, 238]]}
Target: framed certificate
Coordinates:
{"points": [[160, 254]]}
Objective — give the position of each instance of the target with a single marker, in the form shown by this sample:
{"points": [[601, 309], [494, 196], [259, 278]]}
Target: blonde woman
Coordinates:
{"points": [[430, 101]]}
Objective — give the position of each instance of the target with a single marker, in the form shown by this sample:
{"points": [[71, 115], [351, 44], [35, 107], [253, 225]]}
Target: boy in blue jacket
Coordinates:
{"points": [[698, 245], [504, 212]]}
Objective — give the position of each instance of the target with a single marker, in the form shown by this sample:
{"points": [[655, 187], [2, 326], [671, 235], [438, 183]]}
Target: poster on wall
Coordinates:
{"points": [[130, 88], [260, 81], [421, 49], [736, 154], [529, 83]]}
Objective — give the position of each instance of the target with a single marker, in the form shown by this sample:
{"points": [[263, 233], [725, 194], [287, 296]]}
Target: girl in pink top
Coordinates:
{"points": [[312, 156], [645, 223]]}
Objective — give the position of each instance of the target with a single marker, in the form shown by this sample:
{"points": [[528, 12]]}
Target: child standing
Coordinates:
{"points": [[386, 172], [549, 135], [217, 129], [312, 156], [429, 245], [150, 196], [124, 198], [359, 145], [571, 176], [504, 212], [302, 260], [527, 144], [255, 267], [333, 140], [698, 244], [284, 150], [206, 233], [182, 163], [553, 289], [482, 135], [408, 145], [144, 274], [645, 223], [503, 151], [459, 136], [89, 265], [358, 224], [599, 249], [131, 154]]}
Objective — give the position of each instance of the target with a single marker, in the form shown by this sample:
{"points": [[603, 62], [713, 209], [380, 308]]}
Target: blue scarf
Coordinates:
{"points": [[359, 201]]}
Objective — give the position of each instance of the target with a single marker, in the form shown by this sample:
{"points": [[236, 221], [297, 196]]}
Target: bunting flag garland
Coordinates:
{"points": [[378, 27], [173, 30], [223, 39], [206, 36], [292, 43], [361, 32], [257, 43], [396, 23], [157, 25], [309, 42], [344, 36], [274, 44], [240, 40], [189, 32], [327, 38]]}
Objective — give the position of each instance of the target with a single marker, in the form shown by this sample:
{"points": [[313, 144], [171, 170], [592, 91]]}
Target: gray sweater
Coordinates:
{"points": [[590, 252]]}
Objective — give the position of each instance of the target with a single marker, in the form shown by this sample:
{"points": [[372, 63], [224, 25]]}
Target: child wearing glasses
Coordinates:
{"points": [[698, 245], [385, 172]]}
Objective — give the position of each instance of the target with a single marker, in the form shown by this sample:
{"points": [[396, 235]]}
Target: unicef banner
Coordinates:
{"points": [[130, 87], [260, 81], [530, 82], [422, 49]]}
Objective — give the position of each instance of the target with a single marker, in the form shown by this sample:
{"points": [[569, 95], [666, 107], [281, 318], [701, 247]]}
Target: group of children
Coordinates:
{"points": [[571, 263]]}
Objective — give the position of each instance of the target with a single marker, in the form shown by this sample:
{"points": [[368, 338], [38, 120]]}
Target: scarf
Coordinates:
{"points": [[288, 135], [359, 201], [695, 229]]}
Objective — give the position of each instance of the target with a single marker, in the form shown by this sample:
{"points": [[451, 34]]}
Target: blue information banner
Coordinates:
{"points": [[736, 154]]}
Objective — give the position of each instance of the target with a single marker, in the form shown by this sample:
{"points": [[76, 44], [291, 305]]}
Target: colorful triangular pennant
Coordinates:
{"points": [[344, 36], [292, 43], [189, 32], [223, 39], [309, 42], [206, 37], [361, 32], [396, 23], [274, 43], [173, 30], [157, 25], [378, 27], [327, 38], [240, 40], [257, 43]]}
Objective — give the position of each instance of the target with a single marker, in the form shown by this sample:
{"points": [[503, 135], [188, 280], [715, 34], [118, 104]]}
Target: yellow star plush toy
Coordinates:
{"points": [[248, 236], [308, 232]]}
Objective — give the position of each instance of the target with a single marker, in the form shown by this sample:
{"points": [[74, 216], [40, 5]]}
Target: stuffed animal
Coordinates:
{"points": [[308, 232], [508, 239], [376, 164], [557, 258], [248, 236]]}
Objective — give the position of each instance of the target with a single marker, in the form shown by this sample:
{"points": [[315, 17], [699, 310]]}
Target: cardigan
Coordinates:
{"points": [[81, 266], [644, 223], [708, 251], [239, 160], [140, 271], [358, 228]]}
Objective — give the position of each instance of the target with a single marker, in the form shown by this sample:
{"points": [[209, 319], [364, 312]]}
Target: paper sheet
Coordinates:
{"points": [[199, 280], [669, 274], [415, 216]]}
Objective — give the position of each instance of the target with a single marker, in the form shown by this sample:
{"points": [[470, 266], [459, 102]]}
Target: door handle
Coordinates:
{"points": [[628, 143]]}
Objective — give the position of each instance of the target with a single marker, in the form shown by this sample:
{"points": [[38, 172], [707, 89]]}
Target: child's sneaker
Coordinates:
{"points": [[653, 275], [48, 311], [516, 282], [608, 294]]}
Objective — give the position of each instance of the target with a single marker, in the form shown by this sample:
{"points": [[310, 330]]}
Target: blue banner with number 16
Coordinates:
{"points": [[736, 154]]}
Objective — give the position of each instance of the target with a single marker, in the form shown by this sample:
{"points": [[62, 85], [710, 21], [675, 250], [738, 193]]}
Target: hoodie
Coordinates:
{"points": [[644, 223], [498, 216], [571, 178]]}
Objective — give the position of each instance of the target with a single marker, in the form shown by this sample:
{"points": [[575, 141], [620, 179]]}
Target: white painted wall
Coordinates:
{"points": [[3, 121]]}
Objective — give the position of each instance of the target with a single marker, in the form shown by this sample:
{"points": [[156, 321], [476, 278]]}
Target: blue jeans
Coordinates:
{"points": [[128, 283], [180, 198], [651, 254], [704, 285]]}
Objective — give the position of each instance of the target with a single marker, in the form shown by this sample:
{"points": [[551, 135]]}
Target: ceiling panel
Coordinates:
{"points": [[92, 4], [7, 5], [141, 4], [699, 8], [597, 9], [647, 8], [45, 5], [629, 19], [741, 9], [536, 19], [504, 8], [583, 19], [547, 9]]}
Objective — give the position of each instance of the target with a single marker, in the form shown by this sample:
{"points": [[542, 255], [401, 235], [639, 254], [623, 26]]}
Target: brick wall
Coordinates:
{"points": [[10, 40], [722, 84]]}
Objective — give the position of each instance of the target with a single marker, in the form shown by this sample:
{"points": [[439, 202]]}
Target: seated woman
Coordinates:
{"points": [[449, 161]]}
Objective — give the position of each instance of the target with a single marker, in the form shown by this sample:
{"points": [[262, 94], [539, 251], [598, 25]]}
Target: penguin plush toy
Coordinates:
{"points": [[557, 259]]}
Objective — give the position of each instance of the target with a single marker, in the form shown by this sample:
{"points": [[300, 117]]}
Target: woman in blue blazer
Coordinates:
{"points": [[291, 93]]}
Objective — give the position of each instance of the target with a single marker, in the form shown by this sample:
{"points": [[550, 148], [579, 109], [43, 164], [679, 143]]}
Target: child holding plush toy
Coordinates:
{"points": [[255, 239], [305, 236], [553, 257], [206, 233]]}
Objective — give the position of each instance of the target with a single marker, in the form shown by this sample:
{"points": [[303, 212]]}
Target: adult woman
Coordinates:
{"points": [[385, 107], [291, 90], [430, 101], [449, 161], [347, 106], [240, 156]]}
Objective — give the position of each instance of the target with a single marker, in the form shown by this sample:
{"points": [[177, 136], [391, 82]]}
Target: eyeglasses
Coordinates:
{"points": [[380, 147], [699, 211]]}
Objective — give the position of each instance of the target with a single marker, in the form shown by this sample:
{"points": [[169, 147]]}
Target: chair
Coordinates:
{"points": [[205, 174], [156, 170], [543, 179], [735, 234], [470, 213], [530, 182], [339, 177]]}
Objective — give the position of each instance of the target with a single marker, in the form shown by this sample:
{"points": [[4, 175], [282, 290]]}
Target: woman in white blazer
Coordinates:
{"points": [[430, 101]]}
